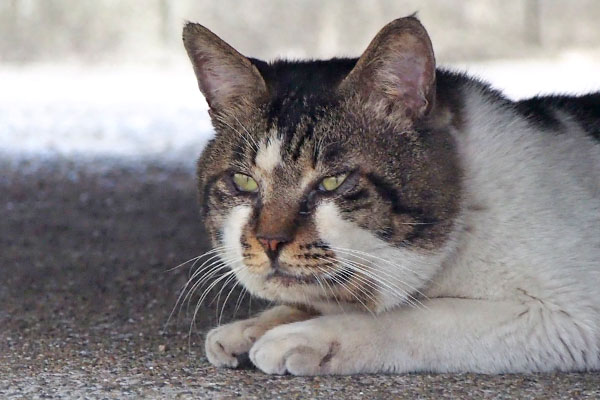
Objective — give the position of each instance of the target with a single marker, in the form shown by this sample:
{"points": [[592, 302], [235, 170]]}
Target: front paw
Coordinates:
{"points": [[299, 349], [228, 345]]}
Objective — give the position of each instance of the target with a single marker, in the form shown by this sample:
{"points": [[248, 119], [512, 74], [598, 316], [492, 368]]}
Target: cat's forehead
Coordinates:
{"points": [[291, 153], [295, 137], [300, 127]]}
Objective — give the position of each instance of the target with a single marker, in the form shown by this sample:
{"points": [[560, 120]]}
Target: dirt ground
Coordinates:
{"points": [[85, 292]]}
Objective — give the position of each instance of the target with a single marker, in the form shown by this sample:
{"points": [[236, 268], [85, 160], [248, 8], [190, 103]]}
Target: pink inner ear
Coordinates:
{"points": [[397, 68], [224, 75], [223, 82], [410, 72]]}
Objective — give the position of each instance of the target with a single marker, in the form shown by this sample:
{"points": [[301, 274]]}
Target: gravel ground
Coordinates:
{"points": [[85, 292]]}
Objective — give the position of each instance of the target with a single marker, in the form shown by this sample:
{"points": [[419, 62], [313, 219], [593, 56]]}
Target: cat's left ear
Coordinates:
{"points": [[397, 70], [225, 77]]}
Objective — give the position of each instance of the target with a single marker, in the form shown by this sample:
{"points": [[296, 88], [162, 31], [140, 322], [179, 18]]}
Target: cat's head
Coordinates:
{"points": [[328, 182]]}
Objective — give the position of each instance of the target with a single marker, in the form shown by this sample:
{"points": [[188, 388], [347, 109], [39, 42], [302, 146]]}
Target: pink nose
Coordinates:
{"points": [[270, 244]]}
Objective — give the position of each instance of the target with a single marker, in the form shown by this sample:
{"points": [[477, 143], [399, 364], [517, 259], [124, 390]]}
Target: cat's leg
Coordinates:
{"points": [[450, 335], [227, 345]]}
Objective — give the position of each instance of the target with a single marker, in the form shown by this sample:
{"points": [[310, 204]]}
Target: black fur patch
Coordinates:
{"points": [[388, 192], [585, 110], [299, 91]]}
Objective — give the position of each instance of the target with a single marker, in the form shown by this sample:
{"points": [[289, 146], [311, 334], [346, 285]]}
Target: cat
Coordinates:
{"points": [[404, 218]]}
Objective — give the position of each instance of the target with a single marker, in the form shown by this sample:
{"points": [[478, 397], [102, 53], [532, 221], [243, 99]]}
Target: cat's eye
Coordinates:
{"points": [[331, 183], [245, 183]]}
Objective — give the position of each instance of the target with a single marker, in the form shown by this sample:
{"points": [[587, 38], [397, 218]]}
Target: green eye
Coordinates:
{"points": [[332, 182], [245, 183]]}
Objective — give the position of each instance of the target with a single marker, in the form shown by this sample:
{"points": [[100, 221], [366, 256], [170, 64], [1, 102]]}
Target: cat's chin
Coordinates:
{"points": [[283, 287], [287, 279]]}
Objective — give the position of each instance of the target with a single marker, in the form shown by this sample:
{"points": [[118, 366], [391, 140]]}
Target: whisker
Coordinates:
{"points": [[218, 266], [361, 278], [377, 258], [334, 295], [378, 282], [197, 257], [251, 145], [205, 268], [248, 133], [397, 291], [373, 274], [320, 284], [198, 271], [203, 296], [235, 284], [354, 253], [183, 263], [218, 296], [217, 281], [240, 298], [343, 285]]}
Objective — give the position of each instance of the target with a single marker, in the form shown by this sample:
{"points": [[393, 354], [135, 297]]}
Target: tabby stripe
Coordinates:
{"points": [[388, 192], [358, 195], [207, 192], [306, 136]]}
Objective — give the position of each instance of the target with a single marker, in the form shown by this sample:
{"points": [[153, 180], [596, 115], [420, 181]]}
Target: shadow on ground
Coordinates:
{"points": [[85, 294]]}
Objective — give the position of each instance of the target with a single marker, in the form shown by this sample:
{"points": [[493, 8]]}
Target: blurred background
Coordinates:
{"points": [[110, 77], [101, 123]]}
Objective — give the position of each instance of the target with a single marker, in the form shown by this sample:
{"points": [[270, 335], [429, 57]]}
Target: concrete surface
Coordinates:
{"points": [[85, 294]]}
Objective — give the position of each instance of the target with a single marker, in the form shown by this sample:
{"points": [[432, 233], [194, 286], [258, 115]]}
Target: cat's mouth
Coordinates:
{"points": [[280, 275]]}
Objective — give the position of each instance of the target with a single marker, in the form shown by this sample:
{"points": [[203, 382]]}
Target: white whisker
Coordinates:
{"points": [[240, 298], [354, 253], [199, 270], [206, 292], [251, 145], [218, 266], [379, 282], [343, 285], [362, 279], [248, 133]]}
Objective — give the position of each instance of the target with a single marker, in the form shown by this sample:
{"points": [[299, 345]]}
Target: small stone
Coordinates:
{"points": [[162, 348]]}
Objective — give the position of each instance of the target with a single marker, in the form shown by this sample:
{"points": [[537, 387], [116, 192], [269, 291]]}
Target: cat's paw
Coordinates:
{"points": [[228, 345], [299, 349]]}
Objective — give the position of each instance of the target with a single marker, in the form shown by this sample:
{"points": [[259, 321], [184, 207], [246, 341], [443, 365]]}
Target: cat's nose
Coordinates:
{"points": [[272, 245]]}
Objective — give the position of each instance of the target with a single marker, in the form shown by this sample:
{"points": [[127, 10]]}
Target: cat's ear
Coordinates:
{"points": [[397, 70], [225, 77]]}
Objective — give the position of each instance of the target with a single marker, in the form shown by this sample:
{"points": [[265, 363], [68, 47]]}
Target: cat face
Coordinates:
{"points": [[328, 183]]}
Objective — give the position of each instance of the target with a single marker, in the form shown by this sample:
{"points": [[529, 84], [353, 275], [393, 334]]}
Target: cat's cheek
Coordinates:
{"points": [[398, 273], [331, 227], [231, 233]]}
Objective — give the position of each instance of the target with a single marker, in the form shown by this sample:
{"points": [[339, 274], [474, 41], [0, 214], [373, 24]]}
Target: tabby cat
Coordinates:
{"points": [[404, 218]]}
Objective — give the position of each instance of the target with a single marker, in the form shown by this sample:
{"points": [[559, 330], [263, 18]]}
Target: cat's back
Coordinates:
{"points": [[548, 111], [569, 131]]}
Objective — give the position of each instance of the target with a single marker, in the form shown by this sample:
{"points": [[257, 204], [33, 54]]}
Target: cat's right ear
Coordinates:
{"points": [[225, 77]]}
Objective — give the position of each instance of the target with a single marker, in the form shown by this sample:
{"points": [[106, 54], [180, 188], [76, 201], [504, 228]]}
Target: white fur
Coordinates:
{"points": [[268, 155]]}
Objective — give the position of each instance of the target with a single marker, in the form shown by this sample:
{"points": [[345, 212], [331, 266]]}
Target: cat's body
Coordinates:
{"points": [[407, 219]]}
